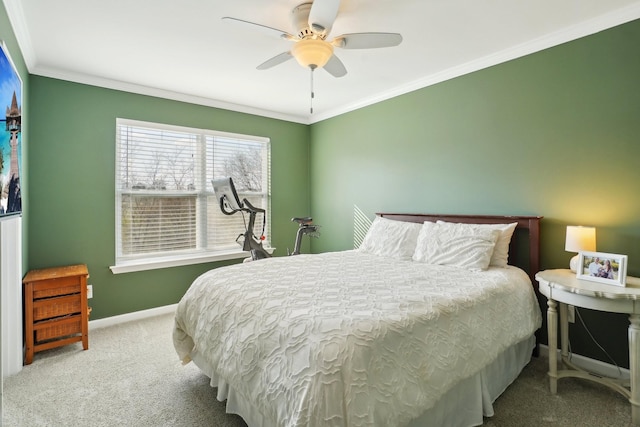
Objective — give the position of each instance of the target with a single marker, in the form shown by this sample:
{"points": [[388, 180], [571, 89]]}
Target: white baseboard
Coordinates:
{"points": [[591, 365], [128, 317]]}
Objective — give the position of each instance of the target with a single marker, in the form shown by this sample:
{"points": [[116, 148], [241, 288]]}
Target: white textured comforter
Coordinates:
{"points": [[348, 338]]}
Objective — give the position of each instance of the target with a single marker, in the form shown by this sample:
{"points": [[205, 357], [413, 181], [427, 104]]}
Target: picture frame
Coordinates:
{"points": [[10, 136], [602, 267]]}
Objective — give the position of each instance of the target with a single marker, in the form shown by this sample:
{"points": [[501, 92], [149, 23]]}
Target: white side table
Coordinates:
{"points": [[562, 286]]}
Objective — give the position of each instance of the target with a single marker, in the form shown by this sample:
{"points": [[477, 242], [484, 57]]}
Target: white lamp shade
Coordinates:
{"points": [[310, 52], [579, 239]]}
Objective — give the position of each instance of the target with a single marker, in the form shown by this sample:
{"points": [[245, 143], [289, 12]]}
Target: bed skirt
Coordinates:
{"points": [[465, 405]]}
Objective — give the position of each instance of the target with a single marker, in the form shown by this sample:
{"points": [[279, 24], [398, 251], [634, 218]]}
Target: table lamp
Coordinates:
{"points": [[579, 239]]}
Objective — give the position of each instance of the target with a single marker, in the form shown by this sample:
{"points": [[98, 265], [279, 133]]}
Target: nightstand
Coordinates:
{"points": [[563, 287], [55, 308]]}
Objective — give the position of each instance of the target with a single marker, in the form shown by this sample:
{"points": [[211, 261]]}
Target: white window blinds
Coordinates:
{"points": [[165, 204]]}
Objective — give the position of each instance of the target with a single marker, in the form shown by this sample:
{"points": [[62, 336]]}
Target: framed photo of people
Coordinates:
{"points": [[602, 267]]}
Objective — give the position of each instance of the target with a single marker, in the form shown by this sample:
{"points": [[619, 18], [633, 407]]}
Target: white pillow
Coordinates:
{"points": [[390, 238], [500, 255], [462, 245]]}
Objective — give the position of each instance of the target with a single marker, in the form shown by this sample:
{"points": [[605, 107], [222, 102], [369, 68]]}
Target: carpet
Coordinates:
{"points": [[131, 376]]}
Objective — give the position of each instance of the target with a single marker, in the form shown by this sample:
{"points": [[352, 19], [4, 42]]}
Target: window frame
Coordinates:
{"points": [[199, 254]]}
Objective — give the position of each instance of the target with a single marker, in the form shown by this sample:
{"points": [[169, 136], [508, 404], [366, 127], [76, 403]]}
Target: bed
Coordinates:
{"points": [[425, 324]]}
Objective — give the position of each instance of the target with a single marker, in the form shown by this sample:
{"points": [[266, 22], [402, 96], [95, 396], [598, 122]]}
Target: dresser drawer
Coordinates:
{"points": [[56, 287], [58, 328], [56, 307]]}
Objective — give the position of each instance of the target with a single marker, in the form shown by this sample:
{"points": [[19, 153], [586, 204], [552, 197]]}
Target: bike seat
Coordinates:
{"points": [[305, 220]]}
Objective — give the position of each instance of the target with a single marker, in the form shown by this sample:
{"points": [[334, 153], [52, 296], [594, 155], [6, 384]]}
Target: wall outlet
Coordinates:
{"points": [[89, 291], [571, 314]]}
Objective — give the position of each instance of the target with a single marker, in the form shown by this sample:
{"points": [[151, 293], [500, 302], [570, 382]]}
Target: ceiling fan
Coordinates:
{"points": [[312, 49]]}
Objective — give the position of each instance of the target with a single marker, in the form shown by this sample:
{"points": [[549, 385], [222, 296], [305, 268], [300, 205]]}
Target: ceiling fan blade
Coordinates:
{"points": [[263, 28], [322, 15], [367, 40], [276, 60], [335, 67]]}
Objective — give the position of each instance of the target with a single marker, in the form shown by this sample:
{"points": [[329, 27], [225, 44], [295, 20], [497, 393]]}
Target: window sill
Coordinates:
{"points": [[153, 264]]}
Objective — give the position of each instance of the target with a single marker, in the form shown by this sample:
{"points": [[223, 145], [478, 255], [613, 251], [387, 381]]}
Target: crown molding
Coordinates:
{"points": [[162, 93], [19, 26], [584, 29]]}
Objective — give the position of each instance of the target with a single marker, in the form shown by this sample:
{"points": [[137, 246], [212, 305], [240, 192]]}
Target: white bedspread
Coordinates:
{"points": [[348, 338]]}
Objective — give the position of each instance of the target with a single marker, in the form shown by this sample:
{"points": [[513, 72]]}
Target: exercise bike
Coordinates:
{"points": [[305, 226], [230, 204]]}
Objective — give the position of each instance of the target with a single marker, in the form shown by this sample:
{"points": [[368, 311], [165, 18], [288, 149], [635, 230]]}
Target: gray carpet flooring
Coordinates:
{"points": [[131, 376]]}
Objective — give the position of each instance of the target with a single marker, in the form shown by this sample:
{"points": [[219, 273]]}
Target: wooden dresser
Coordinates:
{"points": [[56, 312]]}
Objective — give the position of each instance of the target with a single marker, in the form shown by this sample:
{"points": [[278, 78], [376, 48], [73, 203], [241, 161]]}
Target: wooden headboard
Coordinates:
{"points": [[526, 237]]}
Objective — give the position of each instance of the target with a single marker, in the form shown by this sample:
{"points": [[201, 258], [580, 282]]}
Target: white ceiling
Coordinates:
{"points": [[182, 49]]}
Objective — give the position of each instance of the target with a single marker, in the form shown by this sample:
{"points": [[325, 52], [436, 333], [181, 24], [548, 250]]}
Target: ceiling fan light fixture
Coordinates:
{"points": [[312, 52]]}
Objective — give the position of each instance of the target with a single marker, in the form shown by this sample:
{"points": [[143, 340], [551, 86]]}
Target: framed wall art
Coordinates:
{"points": [[602, 267], [10, 136]]}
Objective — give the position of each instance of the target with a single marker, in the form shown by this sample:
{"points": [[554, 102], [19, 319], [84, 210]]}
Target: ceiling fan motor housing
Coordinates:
{"points": [[300, 20]]}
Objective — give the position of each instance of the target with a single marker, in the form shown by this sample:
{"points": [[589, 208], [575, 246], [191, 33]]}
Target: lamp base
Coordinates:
{"points": [[573, 263]]}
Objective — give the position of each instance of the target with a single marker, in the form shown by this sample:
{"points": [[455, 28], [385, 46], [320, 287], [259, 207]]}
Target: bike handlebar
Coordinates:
{"points": [[303, 220]]}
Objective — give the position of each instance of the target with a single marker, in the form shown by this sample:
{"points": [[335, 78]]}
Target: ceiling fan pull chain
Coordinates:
{"points": [[312, 94]]}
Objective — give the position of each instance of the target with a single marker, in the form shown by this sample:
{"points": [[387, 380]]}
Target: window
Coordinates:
{"points": [[166, 211]]}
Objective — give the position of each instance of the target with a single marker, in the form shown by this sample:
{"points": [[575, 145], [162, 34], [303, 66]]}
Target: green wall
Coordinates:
{"points": [[556, 134], [72, 191], [8, 37]]}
